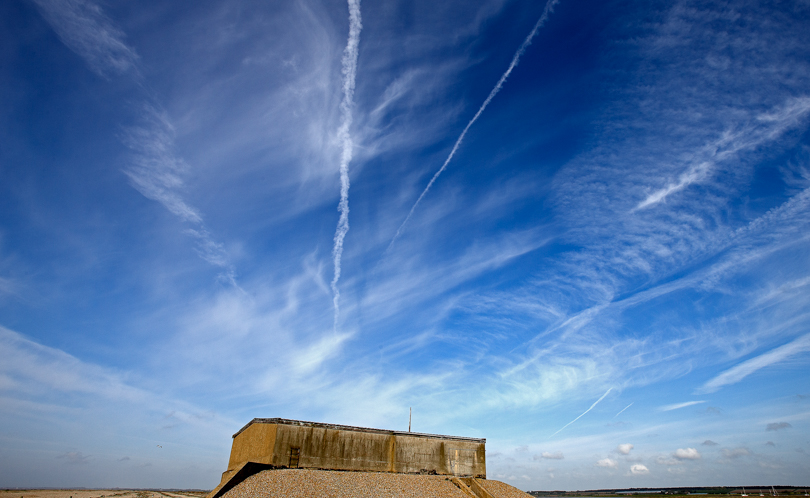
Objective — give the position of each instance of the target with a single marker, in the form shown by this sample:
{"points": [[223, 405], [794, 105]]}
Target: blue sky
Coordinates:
{"points": [[609, 279]]}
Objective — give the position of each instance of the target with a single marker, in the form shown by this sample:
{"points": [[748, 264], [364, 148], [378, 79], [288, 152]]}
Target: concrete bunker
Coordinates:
{"points": [[276, 443]]}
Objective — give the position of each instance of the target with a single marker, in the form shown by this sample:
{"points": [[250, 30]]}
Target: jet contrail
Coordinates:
{"points": [[623, 409], [549, 8], [349, 73], [583, 413]]}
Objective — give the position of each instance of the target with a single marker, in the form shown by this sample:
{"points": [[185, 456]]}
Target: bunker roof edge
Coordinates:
{"points": [[303, 423]]}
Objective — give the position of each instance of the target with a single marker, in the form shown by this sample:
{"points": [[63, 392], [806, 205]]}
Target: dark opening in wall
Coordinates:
{"points": [[295, 454]]}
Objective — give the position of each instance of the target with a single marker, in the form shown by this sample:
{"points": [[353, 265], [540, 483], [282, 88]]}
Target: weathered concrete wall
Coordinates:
{"points": [[280, 443], [256, 443], [326, 448]]}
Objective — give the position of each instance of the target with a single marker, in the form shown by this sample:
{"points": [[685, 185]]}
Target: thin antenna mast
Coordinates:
{"points": [[409, 419]]}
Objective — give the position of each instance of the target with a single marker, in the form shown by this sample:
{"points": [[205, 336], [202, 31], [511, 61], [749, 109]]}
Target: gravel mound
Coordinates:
{"points": [[306, 483], [500, 489]]}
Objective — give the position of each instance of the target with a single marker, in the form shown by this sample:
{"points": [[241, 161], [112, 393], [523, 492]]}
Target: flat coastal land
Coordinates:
{"points": [[97, 493], [711, 492]]}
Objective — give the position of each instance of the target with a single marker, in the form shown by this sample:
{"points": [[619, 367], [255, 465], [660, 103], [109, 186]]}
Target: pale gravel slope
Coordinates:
{"points": [[305, 483]]}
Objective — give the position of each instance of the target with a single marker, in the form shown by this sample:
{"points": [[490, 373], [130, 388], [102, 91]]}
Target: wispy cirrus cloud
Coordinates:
{"points": [[748, 367], [8, 287], [34, 368], [627, 259], [156, 170], [766, 127], [44, 379], [734, 453], [75, 457], [595, 285], [79, 396], [678, 406], [83, 26]]}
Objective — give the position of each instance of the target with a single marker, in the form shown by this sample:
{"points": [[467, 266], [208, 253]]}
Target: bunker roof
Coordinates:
{"points": [[338, 427]]}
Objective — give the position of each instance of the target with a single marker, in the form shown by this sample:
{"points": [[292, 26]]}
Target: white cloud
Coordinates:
{"points": [[552, 456], [777, 121], [314, 356], [34, 368], [662, 460], [7, 286], [687, 454], [639, 469], [156, 171], [625, 448], [746, 368], [607, 462], [678, 406], [736, 452], [75, 457], [694, 174], [48, 379], [83, 27]]}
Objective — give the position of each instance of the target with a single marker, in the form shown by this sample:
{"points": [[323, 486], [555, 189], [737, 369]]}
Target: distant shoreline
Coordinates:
{"points": [[100, 493], [751, 491]]}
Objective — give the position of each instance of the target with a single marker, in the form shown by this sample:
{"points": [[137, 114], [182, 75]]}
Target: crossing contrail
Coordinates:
{"points": [[539, 24], [583, 413], [349, 73]]}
